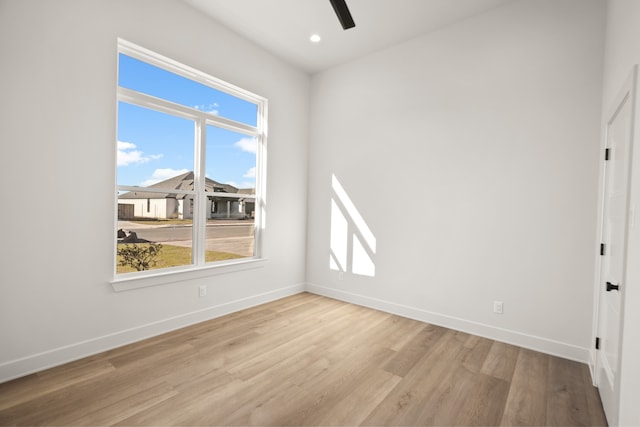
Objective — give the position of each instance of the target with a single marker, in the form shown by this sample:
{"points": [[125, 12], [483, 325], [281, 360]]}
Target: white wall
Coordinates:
{"points": [[622, 52], [484, 136], [57, 134]]}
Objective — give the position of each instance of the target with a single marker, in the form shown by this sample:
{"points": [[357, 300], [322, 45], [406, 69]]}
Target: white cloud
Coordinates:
{"points": [[128, 155], [241, 185], [250, 145], [162, 174], [208, 108], [251, 173], [126, 145]]}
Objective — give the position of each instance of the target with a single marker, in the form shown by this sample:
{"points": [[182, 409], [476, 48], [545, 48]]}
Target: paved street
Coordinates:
{"points": [[235, 237], [170, 233]]}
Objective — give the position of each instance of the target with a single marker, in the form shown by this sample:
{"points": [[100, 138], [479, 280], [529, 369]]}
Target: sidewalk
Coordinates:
{"points": [[133, 225]]}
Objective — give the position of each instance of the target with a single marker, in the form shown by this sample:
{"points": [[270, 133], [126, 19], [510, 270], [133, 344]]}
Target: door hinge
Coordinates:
{"points": [[601, 248], [597, 343], [607, 154]]}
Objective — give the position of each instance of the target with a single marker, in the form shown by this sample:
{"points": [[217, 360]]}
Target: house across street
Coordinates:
{"points": [[162, 201]]}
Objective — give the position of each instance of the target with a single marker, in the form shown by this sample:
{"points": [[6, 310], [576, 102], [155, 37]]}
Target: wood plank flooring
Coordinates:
{"points": [[308, 360]]}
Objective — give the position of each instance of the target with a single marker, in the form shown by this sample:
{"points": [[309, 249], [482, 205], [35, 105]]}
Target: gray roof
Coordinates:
{"points": [[182, 182]]}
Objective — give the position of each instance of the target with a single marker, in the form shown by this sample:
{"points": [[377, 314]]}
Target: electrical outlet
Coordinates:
{"points": [[341, 275], [202, 291], [498, 307]]}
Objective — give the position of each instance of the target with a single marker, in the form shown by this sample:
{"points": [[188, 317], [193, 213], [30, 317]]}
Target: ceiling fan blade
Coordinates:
{"points": [[340, 6]]}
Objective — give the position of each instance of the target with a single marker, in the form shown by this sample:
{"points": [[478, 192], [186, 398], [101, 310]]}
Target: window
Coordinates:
{"points": [[190, 157]]}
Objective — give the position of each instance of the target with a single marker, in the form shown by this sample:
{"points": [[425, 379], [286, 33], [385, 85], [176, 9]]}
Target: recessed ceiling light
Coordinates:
{"points": [[315, 38]]}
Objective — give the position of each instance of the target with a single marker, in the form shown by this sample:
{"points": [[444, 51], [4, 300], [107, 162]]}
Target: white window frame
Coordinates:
{"points": [[198, 268]]}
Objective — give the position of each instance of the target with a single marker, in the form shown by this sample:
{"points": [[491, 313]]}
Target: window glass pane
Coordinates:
{"points": [[154, 149], [231, 161], [155, 152], [231, 168], [150, 244], [149, 79]]}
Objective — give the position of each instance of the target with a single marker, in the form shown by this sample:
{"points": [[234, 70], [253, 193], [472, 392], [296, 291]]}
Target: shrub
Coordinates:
{"points": [[140, 257]]}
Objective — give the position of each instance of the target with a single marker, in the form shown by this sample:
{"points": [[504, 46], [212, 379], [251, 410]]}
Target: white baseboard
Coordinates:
{"points": [[38, 362], [543, 345]]}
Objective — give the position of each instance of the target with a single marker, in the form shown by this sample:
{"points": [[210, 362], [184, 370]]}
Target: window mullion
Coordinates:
{"points": [[200, 214]]}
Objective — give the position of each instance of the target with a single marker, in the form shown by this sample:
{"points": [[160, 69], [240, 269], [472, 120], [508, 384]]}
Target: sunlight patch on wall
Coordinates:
{"points": [[357, 219], [349, 254], [361, 263], [339, 236]]}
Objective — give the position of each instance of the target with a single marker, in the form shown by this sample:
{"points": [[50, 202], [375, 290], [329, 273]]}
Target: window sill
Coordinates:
{"points": [[178, 275]]}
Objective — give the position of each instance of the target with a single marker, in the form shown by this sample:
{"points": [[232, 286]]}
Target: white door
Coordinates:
{"points": [[618, 135]]}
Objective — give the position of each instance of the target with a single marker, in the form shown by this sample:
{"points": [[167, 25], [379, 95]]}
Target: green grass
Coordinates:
{"points": [[173, 256]]}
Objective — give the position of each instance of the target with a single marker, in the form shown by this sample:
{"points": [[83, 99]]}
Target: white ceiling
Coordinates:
{"points": [[283, 27]]}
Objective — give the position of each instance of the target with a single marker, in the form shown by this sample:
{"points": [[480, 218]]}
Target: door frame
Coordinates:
{"points": [[629, 89]]}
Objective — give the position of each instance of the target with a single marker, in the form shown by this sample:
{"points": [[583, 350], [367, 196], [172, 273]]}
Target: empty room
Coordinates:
{"points": [[319, 212]]}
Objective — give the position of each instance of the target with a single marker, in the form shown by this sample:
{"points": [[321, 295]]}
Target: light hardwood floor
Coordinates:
{"points": [[308, 360]]}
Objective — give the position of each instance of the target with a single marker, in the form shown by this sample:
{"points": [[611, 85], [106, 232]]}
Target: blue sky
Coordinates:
{"points": [[154, 146]]}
